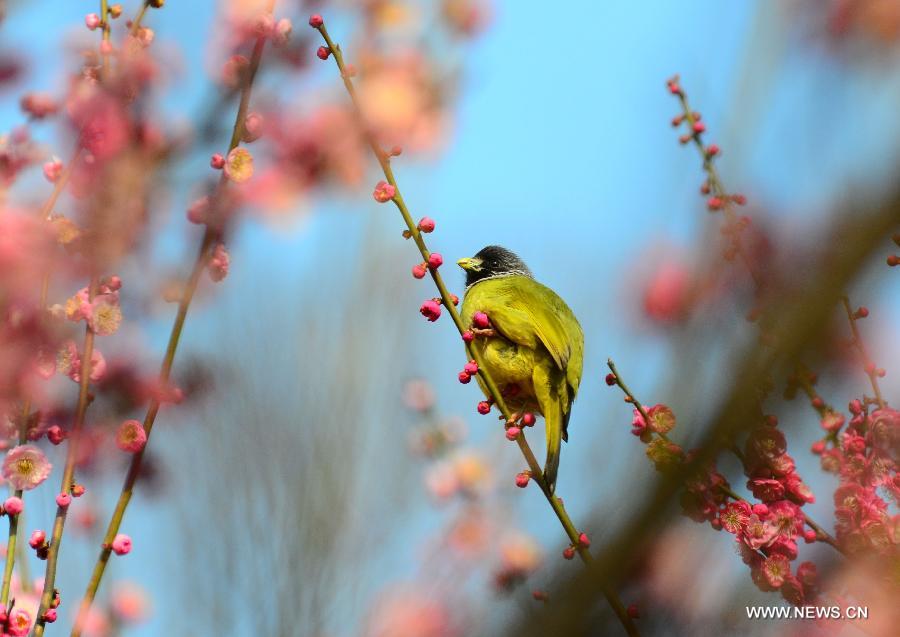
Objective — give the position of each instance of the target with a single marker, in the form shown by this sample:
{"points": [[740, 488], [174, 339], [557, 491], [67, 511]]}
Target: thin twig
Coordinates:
{"points": [[870, 369], [535, 468], [69, 469]]}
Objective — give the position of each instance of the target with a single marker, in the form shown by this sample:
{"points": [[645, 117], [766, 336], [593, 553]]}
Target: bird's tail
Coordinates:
{"points": [[553, 421]]}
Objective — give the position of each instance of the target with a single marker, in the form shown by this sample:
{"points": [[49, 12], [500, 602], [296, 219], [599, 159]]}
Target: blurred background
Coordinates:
{"points": [[328, 474]]}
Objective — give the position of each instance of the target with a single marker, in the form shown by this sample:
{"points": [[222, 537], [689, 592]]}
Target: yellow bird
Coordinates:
{"points": [[534, 346]]}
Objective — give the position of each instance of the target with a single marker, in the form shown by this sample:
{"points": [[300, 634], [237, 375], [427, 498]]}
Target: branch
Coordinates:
{"points": [[413, 231], [68, 472]]}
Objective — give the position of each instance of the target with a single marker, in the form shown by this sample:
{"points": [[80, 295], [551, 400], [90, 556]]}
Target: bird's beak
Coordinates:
{"points": [[469, 264]]}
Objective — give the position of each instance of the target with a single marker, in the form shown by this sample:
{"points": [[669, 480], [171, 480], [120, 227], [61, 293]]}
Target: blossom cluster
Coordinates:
{"points": [[766, 532]]}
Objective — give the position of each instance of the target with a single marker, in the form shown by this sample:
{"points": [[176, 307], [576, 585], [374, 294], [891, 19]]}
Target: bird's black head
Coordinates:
{"points": [[492, 262]]}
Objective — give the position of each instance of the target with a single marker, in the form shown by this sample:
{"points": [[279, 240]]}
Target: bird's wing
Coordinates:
{"points": [[528, 313]]}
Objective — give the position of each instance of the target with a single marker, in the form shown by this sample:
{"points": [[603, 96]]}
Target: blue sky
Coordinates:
{"points": [[562, 151]]}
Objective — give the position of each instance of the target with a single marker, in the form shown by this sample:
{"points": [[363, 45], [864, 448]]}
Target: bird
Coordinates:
{"points": [[533, 348]]}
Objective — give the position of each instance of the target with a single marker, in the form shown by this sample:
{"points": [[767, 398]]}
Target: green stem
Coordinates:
{"points": [[533, 464], [14, 519], [861, 348], [69, 470]]}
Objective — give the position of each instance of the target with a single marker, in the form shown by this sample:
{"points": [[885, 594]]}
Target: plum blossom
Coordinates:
{"points": [[104, 314], [131, 436], [25, 467], [239, 165]]}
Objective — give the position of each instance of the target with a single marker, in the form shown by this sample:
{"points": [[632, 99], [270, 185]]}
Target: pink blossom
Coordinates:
{"points": [[13, 505], [431, 310], [282, 32], [384, 192], [63, 500], [131, 436], [98, 366], [426, 225], [665, 296], [418, 395], [25, 467], [663, 454], [783, 546], [757, 533], [662, 419], [411, 613], [832, 421], [78, 306], [219, 263], [104, 314], [253, 127], [520, 555], [52, 170], [796, 490], [766, 490], [121, 544], [735, 516], [239, 165], [638, 424], [199, 210], [441, 480], [776, 568], [786, 517], [101, 120], [129, 602], [19, 623], [92, 21], [38, 539], [38, 105], [480, 320], [792, 590]]}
